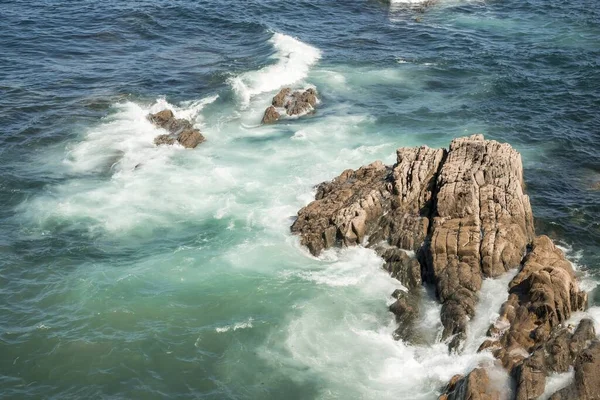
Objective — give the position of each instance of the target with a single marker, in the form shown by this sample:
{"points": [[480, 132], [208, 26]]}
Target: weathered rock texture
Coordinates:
{"points": [[530, 338], [586, 385], [474, 386], [464, 213], [180, 130], [292, 103], [482, 225]]}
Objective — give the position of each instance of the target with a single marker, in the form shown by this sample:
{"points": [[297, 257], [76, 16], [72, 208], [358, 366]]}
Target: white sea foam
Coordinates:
{"points": [[293, 61], [344, 336], [234, 327], [556, 381], [586, 282], [144, 184], [493, 293]]}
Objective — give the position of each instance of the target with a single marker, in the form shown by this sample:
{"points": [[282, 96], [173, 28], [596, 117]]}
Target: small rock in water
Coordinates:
{"points": [[180, 130], [294, 103], [271, 115]]}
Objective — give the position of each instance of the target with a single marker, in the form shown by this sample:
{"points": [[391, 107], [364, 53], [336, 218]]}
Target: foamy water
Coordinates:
{"points": [[136, 271]]}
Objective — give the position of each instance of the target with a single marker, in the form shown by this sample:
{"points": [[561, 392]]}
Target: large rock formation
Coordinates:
{"points": [[464, 213], [180, 130], [292, 103], [482, 225]]}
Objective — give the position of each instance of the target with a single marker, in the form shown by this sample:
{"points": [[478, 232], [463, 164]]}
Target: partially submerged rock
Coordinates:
{"points": [[180, 130], [292, 103], [271, 115]]}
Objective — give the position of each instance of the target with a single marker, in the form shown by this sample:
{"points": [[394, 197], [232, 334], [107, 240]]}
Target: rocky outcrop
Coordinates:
{"points": [[463, 211], [481, 228], [271, 115], [291, 103], [542, 296], [586, 384], [180, 130], [529, 338], [475, 386]]}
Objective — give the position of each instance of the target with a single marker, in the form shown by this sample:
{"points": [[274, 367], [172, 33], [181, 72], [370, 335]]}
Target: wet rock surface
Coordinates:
{"points": [[180, 130], [475, 386], [292, 103], [452, 218], [463, 211]]}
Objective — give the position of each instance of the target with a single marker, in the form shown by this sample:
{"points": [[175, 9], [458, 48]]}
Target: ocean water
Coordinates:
{"points": [[130, 271]]}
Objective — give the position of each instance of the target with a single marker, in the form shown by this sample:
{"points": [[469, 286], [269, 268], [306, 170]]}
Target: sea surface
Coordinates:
{"points": [[129, 271]]}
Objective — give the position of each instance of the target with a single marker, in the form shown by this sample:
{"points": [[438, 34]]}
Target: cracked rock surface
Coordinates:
{"points": [[464, 213]]}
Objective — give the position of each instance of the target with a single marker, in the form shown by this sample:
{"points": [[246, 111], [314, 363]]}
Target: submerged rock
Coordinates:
{"points": [[180, 130], [292, 103]]}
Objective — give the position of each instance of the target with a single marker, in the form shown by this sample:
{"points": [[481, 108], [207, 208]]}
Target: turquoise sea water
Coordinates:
{"points": [[179, 278]]}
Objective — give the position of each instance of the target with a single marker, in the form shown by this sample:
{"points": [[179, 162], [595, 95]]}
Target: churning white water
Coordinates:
{"points": [[332, 320]]}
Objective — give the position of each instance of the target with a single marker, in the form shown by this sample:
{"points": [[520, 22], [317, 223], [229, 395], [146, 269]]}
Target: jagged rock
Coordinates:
{"points": [[346, 208], [474, 386], [542, 296], [271, 115], [279, 99], [164, 139], [482, 226], [389, 204], [293, 103], [586, 385], [463, 211], [406, 310], [190, 138], [535, 343], [301, 102], [465, 215], [180, 130], [402, 267]]}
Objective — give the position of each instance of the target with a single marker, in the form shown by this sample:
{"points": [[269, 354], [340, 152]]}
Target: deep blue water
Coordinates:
{"points": [[181, 280]]}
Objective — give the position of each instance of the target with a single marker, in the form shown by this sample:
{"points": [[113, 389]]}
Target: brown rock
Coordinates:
{"points": [[179, 129], [280, 98], [161, 118], [406, 310], [164, 139], [295, 103], [299, 103], [475, 386], [542, 296], [586, 385], [190, 138], [271, 115], [482, 226], [482, 221], [402, 267]]}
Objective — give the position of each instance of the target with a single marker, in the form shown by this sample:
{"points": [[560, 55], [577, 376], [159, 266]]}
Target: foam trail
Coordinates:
{"points": [[124, 193], [294, 59], [493, 293]]}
